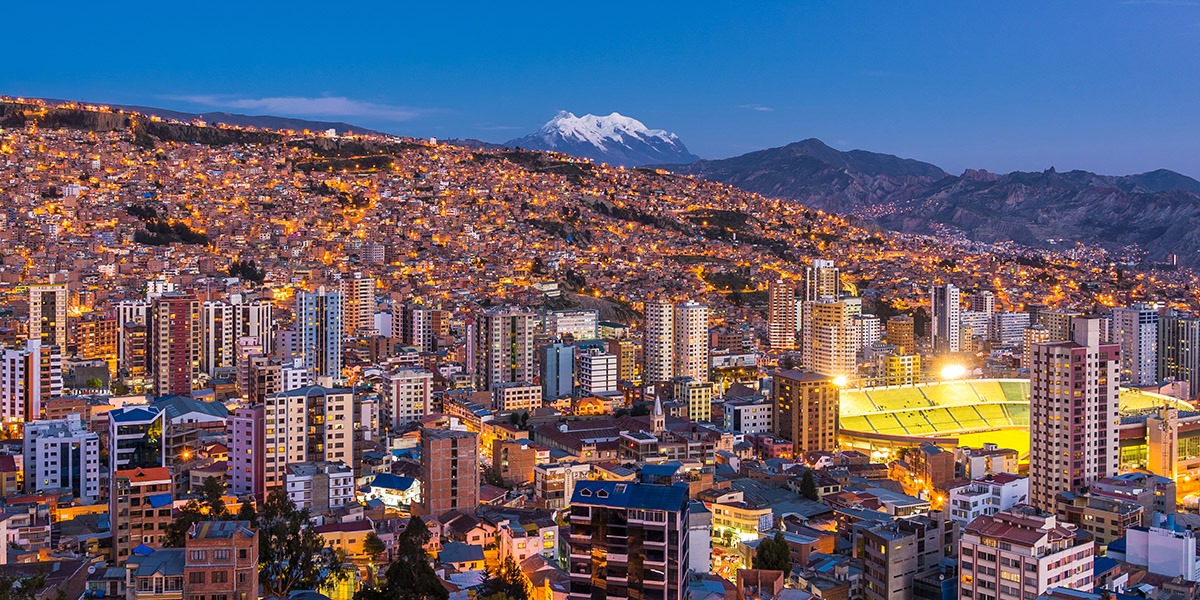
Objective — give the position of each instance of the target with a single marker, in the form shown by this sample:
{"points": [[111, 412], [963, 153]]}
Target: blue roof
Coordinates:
{"points": [[177, 406], [663, 470], [457, 552], [159, 500], [132, 414], [617, 494], [1117, 545], [393, 482], [143, 550], [1103, 564]]}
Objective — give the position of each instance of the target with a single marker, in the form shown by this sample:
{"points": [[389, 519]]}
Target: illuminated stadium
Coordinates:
{"points": [[954, 413]]}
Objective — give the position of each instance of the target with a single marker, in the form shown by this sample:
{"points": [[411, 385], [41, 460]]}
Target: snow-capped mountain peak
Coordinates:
{"points": [[615, 139]]}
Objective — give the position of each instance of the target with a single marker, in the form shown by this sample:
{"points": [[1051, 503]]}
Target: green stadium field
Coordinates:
{"points": [[974, 412]]}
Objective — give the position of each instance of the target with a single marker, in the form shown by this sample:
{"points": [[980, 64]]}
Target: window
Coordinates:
{"points": [[220, 555], [197, 555], [220, 577], [196, 577]]}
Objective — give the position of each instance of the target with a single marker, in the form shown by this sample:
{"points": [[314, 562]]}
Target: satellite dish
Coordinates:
{"points": [[91, 569]]}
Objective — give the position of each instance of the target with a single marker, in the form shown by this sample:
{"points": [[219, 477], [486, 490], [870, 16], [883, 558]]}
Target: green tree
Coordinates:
{"points": [[774, 554], [21, 588], [292, 555], [506, 580], [808, 487], [410, 576], [93, 383], [373, 546], [246, 512], [210, 507]]}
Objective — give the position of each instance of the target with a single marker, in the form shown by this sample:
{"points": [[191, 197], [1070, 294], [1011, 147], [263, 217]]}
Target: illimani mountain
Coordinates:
{"points": [[614, 139], [1158, 211]]}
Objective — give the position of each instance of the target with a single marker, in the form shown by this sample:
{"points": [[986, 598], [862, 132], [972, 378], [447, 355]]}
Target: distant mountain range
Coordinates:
{"points": [[1159, 211], [236, 120], [614, 139]]}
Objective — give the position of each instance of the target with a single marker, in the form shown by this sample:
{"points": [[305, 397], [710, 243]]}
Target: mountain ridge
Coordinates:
{"points": [[1157, 211]]}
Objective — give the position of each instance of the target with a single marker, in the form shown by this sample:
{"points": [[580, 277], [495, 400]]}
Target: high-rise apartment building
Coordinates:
{"points": [[174, 335], [691, 341], [597, 372], [696, 396], [62, 456], [319, 332], [982, 302], [407, 396], [217, 338], [821, 280], [449, 471], [829, 334], [1179, 350], [895, 553], [414, 326], [139, 508], [659, 343], [805, 410], [781, 316], [900, 332], [1073, 412], [97, 337], [28, 379], [626, 352], [578, 324], [1058, 322], [1020, 553], [358, 302], [1135, 330], [945, 317], [1034, 334], [137, 438], [629, 540], [312, 423], [48, 314], [246, 470], [252, 319], [558, 371], [1008, 327], [504, 347]]}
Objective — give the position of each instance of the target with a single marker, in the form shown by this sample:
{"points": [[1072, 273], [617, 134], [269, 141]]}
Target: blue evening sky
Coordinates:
{"points": [[1106, 85]]}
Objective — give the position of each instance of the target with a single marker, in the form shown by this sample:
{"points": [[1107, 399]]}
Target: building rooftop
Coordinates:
{"points": [[631, 495], [140, 475], [457, 552], [210, 530], [165, 561]]}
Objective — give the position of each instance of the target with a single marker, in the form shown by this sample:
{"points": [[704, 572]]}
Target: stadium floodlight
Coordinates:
{"points": [[954, 372]]}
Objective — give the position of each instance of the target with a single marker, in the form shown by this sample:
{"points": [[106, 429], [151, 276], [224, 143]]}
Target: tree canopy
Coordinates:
{"points": [[292, 555], [507, 581], [210, 507], [773, 554], [410, 576]]}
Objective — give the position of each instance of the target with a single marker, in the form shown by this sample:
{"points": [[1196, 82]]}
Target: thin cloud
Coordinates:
{"points": [[757, 107], [1163, 2], [323, 106]]}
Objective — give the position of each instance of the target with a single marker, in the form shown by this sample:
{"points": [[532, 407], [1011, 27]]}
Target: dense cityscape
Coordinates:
{"points": [[242, 363]]}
